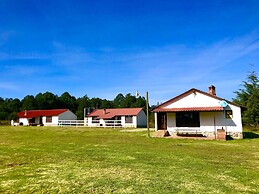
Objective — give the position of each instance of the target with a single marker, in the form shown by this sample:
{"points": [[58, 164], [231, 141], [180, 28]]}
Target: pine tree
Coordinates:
{"points": [[248, 97]]}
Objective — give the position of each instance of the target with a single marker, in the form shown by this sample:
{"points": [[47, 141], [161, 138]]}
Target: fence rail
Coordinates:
{"points": [[94, 123], [105, 123], [73, 123]]}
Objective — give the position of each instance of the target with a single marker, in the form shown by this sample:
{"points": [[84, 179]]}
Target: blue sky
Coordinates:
{"points": [[105, 47]]}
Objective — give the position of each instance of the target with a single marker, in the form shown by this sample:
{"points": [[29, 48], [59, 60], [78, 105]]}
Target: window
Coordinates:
{"points": [[95, 120], [187, 119], [128, 119], [117, 118], [228, 114], [49, 119]]}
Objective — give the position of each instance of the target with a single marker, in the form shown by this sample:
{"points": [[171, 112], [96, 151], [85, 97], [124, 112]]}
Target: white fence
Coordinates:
{"points": [[72, 123], [105, 123], [94, 123]]}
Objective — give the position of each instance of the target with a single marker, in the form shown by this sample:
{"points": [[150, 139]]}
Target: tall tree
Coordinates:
{"points": [[96, 103], [118, 100], [248, 96], [47, 101], [83, 104], [29, 103], [129, 101], [68, 101], [141, 102], [107, 104]]}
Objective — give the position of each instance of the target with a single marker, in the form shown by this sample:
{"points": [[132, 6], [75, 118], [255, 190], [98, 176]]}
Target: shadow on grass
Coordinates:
{"points": [[228, 137], [250, 135]]}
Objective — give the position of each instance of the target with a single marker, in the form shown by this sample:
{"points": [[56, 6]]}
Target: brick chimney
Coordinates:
{"points": [[212, 90]]}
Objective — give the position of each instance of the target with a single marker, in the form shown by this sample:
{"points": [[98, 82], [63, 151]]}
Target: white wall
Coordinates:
{"points": [[230, 125], [123, 120], [133, 124], [25, 121], [89, 123], [141, 119], [68, 115], [195, 100], [53, 123], [171, 121], [208, 120]]}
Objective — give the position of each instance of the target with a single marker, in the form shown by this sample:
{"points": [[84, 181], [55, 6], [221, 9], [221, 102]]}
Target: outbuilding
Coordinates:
{"points": [[197, 113], [117, 117], [45, 117]]}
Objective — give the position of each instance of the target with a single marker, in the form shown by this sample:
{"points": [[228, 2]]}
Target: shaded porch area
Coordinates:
{"points": [[196, 122], [35, 121]]}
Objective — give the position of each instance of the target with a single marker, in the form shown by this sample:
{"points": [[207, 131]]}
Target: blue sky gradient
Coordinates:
{"points": [[105, 47]]}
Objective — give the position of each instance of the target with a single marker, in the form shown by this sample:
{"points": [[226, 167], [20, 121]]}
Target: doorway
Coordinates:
{"points": [[161, 121]]}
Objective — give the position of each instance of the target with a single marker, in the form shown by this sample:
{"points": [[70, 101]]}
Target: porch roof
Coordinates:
{"points": [[187, 109]]}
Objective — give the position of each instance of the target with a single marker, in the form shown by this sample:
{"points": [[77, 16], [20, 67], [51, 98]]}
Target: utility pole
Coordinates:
{"points": [[148, 132]]}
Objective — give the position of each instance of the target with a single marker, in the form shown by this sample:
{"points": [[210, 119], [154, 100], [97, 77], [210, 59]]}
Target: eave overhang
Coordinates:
{"points": [[190, 109]]}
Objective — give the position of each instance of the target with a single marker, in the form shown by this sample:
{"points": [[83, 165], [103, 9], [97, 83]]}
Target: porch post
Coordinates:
{"points": [[155, 121]]}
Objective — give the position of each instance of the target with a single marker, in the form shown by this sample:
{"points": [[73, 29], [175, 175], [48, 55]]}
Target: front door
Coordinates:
{"points": [[161, 121]]}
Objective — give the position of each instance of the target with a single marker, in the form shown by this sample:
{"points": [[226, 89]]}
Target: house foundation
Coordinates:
{"points": [[206, 135]]}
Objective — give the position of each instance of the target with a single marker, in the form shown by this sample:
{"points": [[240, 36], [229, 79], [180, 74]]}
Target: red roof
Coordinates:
{"points": [[110, 113], [40, 113], [201, 109]]}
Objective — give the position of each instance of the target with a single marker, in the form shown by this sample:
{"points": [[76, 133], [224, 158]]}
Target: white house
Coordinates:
{"points": [[117, 117], [45, 117], [196, 111]]}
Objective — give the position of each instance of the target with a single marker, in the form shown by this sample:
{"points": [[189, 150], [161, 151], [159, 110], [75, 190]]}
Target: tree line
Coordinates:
{"points": [[247, 97], [9, 107]]}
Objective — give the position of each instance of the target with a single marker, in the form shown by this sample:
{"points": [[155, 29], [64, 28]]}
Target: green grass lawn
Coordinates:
{"points": [[94, 160]]}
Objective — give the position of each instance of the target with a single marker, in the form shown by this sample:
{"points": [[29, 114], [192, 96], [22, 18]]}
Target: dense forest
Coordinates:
{"points": [[9, 107]]}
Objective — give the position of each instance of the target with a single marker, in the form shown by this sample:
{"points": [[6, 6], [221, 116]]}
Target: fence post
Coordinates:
{"points": [[147, 104]]}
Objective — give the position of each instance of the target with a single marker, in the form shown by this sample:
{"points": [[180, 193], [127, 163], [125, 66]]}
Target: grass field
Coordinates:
{"points": [[95, 160]]}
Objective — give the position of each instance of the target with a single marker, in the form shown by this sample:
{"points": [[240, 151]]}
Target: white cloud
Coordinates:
{"points": [[174, 69]]}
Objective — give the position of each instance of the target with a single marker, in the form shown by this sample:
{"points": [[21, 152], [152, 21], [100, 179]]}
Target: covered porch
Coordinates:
{"points": [[34, 121], [202, 122]]}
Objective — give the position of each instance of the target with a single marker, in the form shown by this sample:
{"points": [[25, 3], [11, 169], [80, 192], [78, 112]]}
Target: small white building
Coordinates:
{"points": [[45, 117], [117, 117], [196, 111]]}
